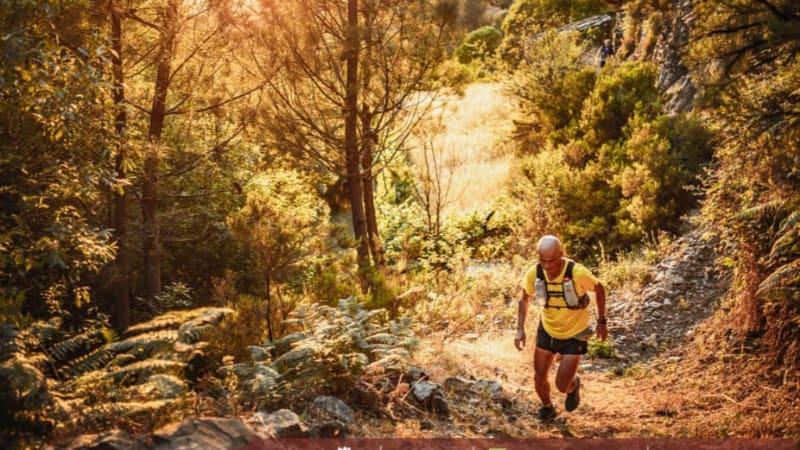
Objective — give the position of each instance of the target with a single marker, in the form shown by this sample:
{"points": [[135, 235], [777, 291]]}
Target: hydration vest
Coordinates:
{"points": [[567, 292]]}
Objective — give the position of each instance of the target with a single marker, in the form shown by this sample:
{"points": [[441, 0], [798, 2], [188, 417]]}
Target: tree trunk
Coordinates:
{"points": [[269, 309], [120, 277], [152, 245], [353, 165], [369, 138]]}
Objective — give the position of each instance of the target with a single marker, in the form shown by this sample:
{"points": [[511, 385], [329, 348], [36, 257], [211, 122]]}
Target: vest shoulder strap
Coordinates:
{"points": [[568, 272]]}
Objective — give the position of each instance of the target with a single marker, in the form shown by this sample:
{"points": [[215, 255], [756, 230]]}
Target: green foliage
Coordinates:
{"points": [[600, 349], [551, 86], [752, 82], [60, 383], [334, 347], [617, 98], [55, 142], [281, 223], [479, 44], [610, 168]]}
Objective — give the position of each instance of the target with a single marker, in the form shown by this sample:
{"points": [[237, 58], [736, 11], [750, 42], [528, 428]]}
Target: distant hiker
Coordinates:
{"points": [[606, 51], [560, 286]]}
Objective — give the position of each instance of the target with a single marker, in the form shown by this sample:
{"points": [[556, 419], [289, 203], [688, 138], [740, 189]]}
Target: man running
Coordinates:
{"points": [[560, 286]]}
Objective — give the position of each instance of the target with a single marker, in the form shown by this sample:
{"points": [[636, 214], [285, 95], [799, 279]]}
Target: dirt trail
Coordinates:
{"points": [[629, 395]]}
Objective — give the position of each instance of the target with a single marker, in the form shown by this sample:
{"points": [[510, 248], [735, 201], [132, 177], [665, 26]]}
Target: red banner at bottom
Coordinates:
{"points": [[524, 444]]}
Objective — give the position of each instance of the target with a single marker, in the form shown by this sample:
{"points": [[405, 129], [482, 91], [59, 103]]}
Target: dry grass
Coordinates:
{"points": [[471, 135]]}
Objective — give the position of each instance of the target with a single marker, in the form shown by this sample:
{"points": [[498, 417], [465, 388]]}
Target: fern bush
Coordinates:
{"points": [[334, 346], [778, 293], [87, 382]]}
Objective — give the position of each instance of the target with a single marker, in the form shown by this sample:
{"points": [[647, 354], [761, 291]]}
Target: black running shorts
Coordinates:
{"points": [[562, 346]]}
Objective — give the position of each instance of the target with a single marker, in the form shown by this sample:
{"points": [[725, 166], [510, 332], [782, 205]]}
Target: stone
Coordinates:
{"points": [[457, 383], [112, 440], [283, 423], [431, 397], [493, 388], [423, 390], [677, 280], [203, 433], [439, 405], [330, 416], [415, 373]]}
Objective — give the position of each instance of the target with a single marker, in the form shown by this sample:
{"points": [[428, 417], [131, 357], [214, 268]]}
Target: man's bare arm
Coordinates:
{"points": [[522, 313], [600, 299]]}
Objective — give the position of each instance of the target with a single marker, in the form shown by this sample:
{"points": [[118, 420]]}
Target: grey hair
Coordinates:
{"points": [[548, 242]]}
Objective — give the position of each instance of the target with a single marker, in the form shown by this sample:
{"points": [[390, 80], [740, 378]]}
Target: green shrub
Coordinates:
{"points": [[551, 87], [625, 173], [601, 349], [479, 44], [616, 98]]}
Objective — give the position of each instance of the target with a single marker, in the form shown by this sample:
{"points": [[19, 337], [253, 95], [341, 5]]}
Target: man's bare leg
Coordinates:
{"points": [[542, 361], [565, 377]]}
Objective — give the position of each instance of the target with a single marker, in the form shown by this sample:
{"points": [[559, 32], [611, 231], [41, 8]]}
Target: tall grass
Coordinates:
{"points": [[471, 135]]}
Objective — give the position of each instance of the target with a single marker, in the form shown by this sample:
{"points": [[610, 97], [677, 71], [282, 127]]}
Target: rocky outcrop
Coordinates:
{"points": [[673, 77], [684, 289], [603, 20]]}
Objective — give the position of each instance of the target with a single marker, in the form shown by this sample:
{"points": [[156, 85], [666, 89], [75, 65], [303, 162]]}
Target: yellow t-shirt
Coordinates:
{"points": [[563, 323]]}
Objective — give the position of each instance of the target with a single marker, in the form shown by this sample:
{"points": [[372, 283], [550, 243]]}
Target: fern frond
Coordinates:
{"points": [[383, 338], [387, 363], [203, 319], [771, 209], [64, 351], [41, 332], [170, 320], [791, 221], [786, 277], [293, 358], [283, 344], [786, 245], [159, 386], [259, 354], [10, 343], [95, 360], [24, 383], [146, 343], [294, 322], [86, 384], [142, 369]]}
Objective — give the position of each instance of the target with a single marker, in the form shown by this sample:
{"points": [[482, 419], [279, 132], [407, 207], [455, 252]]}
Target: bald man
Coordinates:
{"points": [[561, 287]]}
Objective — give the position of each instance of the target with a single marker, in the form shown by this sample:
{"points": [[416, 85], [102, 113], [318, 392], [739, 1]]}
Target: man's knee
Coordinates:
{"points": [[562, 385]]}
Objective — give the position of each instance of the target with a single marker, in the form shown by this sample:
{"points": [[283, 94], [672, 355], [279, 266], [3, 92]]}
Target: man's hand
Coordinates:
{"points": [[519, 340], [602, 331]]}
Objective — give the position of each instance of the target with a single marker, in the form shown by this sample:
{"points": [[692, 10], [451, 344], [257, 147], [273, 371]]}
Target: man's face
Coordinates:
{"points": [[551, 261]]}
